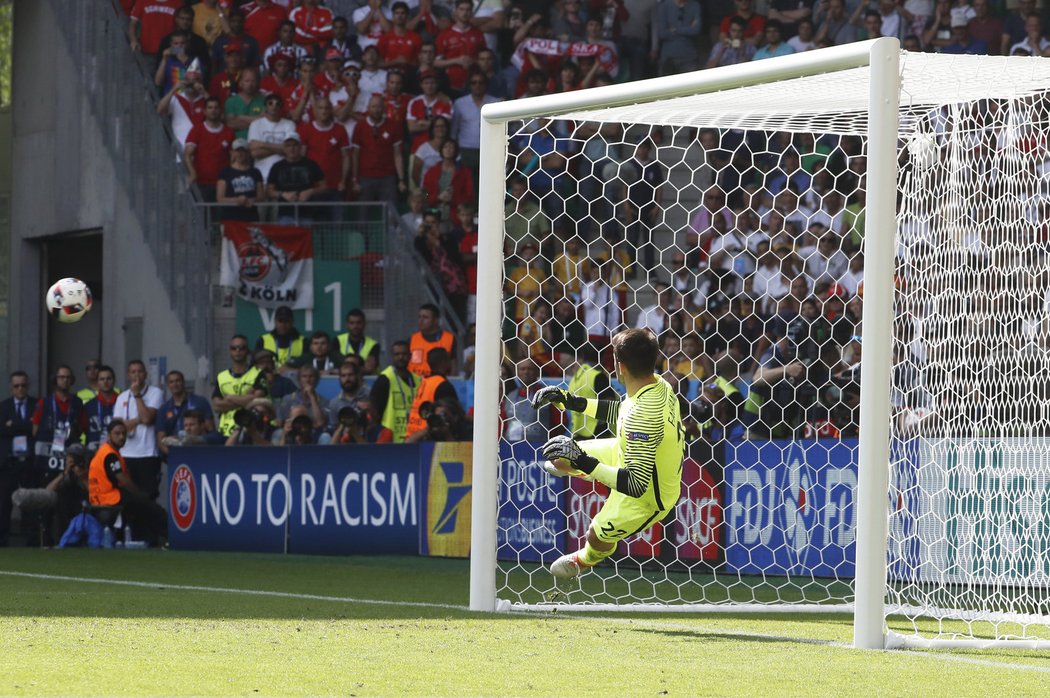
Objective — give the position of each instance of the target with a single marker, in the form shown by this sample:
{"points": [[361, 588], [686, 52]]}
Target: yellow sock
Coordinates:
{"points": [[590, 556]]}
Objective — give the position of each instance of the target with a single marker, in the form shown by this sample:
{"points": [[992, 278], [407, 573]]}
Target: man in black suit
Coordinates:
{"points": [[16, 444]]}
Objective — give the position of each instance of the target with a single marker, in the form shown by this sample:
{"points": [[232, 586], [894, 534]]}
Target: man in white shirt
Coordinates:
{"points": [[138, 406], [266, 136], [466, 121]]}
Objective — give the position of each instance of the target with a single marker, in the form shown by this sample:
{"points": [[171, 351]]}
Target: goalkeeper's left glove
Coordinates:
{"points": [[565, 447]]}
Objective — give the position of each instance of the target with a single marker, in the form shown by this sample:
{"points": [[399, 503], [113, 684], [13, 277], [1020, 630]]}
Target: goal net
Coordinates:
{"points": [[843, 255]]}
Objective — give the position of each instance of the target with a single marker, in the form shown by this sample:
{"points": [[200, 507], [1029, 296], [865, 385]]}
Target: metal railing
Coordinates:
{"points": [[395, 279], [121, 97]]}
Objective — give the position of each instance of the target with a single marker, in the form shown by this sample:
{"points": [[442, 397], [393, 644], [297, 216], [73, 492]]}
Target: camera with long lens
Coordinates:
{"points": [[246, 419], [349, 416], [434, 419]]}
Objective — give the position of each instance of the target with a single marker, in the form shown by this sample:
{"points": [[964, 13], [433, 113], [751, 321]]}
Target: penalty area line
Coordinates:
{"points": [[165, 586]]}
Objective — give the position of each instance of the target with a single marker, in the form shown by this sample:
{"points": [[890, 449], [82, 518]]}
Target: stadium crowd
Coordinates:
{"points": [[756, 304]]}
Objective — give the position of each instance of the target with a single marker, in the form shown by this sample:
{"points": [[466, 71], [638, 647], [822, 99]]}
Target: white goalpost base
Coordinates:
{"points": [[931, 114]]}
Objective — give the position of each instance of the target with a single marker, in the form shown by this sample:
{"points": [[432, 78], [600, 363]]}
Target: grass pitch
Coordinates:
{"points": [[76, 622]]}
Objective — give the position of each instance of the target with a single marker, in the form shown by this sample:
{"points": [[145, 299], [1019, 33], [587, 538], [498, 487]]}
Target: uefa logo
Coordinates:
{"points": [[183, 498]]}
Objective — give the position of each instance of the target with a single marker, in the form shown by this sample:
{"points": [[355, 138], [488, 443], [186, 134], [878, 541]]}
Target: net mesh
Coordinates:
{"points": [[731, 224]]}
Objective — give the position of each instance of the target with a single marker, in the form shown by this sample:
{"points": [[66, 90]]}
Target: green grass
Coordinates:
{"points": [[61, 637]]}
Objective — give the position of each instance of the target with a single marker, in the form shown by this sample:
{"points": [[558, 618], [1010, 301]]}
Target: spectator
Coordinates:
{"points": [[137, 407], [240, 185], [424, 108], [465, 238], [677, 25], [354, 341], [432, 387], [329, 78], [224, 82], [458, 46], [16, 445], [570, 267], [100, 408], [266, 136], [427, 62], [376, 164], [466, 121], [774, 45], [111, 483], [399, 46], [343, 41], [208, 150], [828, 262], [236, 37], [428, 153], [321, 355], [327, 144], [525, 276], [263, 21], [429, 336], [534, 335], [788, 13], [371, 20], [350, 102], [568, 24], [394, 391], [174, 61], [268, 383], [836, 27], [602, 313], [752, 24], [313, 25], [803, 41], [1014, 26], [91, 380], [962, 41], [286, 44], [657, 317], [449, 184], [359, 424], [1033, 44], [172, 414], [938, 31], [196, 46], [893, 22], [986, 27], [280, 79], [853, 279], [184, 103], [443, 260], [351, 389], [396, 100], [208, 21], [568, 335], [496, 82], [412, 220], [734, 48], [296, 178], [155, 19], [524, 221], [253, 425], [608, 53], [523, 421], [306, 396], [233, 386], [247, 106]]}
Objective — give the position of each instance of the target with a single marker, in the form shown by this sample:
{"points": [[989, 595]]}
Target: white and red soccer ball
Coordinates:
{"points": [[68, 300]]}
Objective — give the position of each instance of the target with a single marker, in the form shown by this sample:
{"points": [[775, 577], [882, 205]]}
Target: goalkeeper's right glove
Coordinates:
{"points": [[558, 397], [565, 447]]}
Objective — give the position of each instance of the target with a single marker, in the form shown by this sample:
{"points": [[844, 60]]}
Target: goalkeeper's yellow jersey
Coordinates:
{"points": [[649, 446]]}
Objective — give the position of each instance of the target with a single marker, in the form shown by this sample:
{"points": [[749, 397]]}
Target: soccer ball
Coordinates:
{"points": [[68, 300]]}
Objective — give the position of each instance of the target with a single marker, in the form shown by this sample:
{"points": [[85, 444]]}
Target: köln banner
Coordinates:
{"points": [[269, 265]]}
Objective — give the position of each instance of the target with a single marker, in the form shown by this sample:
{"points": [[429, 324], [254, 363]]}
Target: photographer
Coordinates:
{"points": [[432, 389], [306, 397], [444, 421], [298, 430], [359, 424], [269, 383], [192, 433], [64, 495], [254, 425]]}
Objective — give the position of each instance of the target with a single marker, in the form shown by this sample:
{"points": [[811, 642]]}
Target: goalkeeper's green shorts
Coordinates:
{"points": [[622, 516]]}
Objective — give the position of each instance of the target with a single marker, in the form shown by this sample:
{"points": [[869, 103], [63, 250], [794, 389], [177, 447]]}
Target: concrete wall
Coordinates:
{"points": [[64, 183]]}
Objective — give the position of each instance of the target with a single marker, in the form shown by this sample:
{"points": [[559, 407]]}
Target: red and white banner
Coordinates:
{"points": [[607, 58], [269, 265]]}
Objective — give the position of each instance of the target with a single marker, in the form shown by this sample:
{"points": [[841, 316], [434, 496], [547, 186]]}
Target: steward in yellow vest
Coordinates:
{"points": [[394, 392], [355, 341]]}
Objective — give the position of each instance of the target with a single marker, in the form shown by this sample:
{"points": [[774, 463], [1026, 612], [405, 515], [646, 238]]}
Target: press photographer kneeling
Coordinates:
{"points": [[254, 425]]}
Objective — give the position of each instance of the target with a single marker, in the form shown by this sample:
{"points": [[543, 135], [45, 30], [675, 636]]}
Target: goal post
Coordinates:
{"points": [[777, 523]]}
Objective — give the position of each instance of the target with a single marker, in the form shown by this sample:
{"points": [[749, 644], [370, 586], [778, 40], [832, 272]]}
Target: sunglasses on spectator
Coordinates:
{"points": [[238, 347], [20, 385]]}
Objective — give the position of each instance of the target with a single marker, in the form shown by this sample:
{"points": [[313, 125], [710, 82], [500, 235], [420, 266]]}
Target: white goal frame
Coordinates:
{"points": [[882, 58]]}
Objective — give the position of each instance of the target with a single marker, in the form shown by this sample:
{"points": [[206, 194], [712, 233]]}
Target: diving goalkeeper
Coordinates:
{"points": [[642, 464]]}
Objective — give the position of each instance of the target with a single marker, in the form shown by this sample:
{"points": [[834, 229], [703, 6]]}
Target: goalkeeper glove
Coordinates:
{"points": [[565, 447], [558, 397]]}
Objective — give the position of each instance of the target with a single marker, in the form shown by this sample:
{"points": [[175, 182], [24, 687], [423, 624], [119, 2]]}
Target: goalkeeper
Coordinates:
{"points": [[642, 464]]}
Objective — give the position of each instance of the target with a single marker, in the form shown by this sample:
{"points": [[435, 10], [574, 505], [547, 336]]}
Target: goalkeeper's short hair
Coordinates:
{"points": [[638, 350]]}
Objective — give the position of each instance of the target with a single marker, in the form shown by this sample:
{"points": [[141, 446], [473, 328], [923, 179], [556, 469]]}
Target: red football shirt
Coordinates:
{"points": [[270, 86], [325, 146], [406, 46], [158, 20], [396, 107], [420, 110], [469, 245], [375, 144], [453, 43], [212, 153], [262, 23], [312, 27]]}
